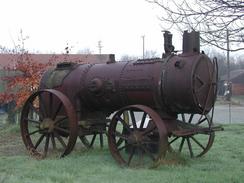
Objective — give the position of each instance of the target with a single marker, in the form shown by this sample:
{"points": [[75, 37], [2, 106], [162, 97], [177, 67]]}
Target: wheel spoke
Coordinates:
{"points": [[118, 118], [93, 140], [190, 119], [39, 141], [33, 121], [119, 142], [131, 155], [84, 140], [148, 153], [101, 140], [60, 120], [132, 115], [183, 118], [198, 143], [53, 141], [189, 147], [61, 129], [181, 144], [90, 143], [57, 111], [32, 133], [149, 130], [60, 140], [46, 144], [143, 120], [141, 156], [201, 121], [123, 147], [173, 140], [120, 135]]}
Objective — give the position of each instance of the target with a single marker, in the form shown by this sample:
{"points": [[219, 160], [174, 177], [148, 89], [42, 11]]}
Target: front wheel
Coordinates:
{"points": [[197, 144], [138, 140]]}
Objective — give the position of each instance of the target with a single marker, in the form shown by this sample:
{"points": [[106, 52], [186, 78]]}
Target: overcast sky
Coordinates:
{"points": [[51, 24]]}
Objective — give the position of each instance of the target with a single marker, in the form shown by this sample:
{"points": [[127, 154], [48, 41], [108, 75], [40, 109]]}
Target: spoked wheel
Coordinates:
{"points": [[89, 140], [48, 124], [140, 140], [198, 143]]}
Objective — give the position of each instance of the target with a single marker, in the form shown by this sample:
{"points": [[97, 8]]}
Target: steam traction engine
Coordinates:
{"points": [[145, 107]]}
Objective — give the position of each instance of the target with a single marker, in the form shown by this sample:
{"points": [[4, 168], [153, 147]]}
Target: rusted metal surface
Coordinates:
{"points": [[147, 96], [191, 42], [190, 84], [183, 84]]}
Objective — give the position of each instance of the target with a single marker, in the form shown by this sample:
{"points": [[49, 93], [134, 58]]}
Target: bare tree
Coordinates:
{"points": [[211, 17], [151, 54], [128, 58]]}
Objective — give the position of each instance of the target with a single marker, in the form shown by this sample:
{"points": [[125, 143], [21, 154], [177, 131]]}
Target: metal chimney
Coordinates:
{"points": [[168, 46], [191, 42]]}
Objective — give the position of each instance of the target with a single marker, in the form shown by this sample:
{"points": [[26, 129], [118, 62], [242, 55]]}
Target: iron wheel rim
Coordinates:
{"points": [[138, 148], [55, 133]]}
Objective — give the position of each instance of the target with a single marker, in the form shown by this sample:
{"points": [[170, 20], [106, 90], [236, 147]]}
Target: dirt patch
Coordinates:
{"points": [[11, 144]]}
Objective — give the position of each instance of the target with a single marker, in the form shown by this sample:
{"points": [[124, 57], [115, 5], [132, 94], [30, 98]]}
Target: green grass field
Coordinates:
{"points": [[223, 163]]}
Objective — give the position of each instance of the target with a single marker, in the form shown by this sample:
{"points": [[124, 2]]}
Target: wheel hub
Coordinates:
{"points": [[136, 137], [48, 124]]}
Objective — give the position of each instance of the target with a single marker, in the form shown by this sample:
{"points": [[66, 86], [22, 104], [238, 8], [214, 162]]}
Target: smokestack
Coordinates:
{"points": [[168, 46], [191, 42]]}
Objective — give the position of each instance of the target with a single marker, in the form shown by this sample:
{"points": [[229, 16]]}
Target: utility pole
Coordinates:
{"points": [[229, 88], [228, 56], [100, 47], [143, 46]]}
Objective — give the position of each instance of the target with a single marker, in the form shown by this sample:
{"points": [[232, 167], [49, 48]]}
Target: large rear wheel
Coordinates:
{"points": [[48, 124]]}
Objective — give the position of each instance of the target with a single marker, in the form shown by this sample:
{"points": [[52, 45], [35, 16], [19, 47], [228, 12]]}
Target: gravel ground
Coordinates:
{"points": [[222, 114]]}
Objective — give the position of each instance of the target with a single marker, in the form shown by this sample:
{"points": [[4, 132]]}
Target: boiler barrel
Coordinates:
{"points": [[190, 84], [180, 84], [115, 85]]}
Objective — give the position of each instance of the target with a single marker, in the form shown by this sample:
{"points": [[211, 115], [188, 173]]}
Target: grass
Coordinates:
{"points": [[223, 163]]}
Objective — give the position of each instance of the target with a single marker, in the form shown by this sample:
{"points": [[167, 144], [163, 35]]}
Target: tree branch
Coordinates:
{"points": [[211, 18]]}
